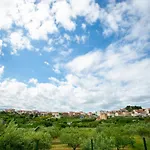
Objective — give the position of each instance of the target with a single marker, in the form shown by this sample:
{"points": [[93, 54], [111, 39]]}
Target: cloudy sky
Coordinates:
{"points": [[62, 55]]}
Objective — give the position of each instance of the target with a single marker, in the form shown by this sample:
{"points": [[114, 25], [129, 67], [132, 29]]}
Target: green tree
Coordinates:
{"points": [[14, 138], [103, 142], [11, 138], [31, 138], [100, 142], [143, 131], [72, 136]]}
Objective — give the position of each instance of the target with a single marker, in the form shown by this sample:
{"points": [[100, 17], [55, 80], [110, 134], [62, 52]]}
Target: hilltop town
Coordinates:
{"points": [[134, 111]]}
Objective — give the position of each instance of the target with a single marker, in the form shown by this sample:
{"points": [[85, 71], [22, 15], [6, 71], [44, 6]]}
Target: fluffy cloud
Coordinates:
{"points": [[1, 43], [64, 15], [83, 26], [19, 41], [33, 81], [5, 7], [108, 89], [39, 18], [91, 13], [80, 39], [46, 63], [126, 17], [66, 53], [80, 64], [1, 70], [100, 79]]}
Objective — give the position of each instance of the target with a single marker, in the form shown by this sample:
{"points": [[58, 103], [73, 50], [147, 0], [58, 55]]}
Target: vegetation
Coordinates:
{"points": [[72, 136], [130, 108], [12, 138], [26, 132]]}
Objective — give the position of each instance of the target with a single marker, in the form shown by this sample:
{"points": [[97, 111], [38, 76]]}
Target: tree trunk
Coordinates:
{"points": [[74, 148]]}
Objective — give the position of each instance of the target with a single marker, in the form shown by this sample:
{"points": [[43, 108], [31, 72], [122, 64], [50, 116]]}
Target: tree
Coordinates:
{"points": [[54, 131], [11, 138], [31, 138], [72, 136], [143, 131], [130, 108], [103, 142], [14, 138], [100, 142], [123, 141]]}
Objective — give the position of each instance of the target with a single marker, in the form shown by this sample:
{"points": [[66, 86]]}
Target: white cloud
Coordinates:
{"points": [[83, 26], [19, 42], [47, 63], [48, 49], [66, 53], [33, 81], [97, 80], [36, 18], [127, 17], [67, 37], [85, 63], [5, 13], [87, 8], [56, 68], [39, 19], [1, 43], [1, 70], [64, 15], [80, 39], [93, 90], [54, 80]]}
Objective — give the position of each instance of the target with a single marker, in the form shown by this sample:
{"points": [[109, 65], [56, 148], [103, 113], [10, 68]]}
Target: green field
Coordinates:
{"points": [[25, 132]]}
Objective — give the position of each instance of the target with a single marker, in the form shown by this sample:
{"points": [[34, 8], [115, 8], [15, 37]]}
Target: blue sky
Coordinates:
{"points": [[60, 55]]}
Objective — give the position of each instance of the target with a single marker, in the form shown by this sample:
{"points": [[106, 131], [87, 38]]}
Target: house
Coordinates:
{"points": [[43, 113], [77, 114], [126, 113], [90, 114], [111, 114], [139, 112], [10, 110], [64, 114], [56, 115], [147, 110], [118, 113], [102, 116], [24, 112], [71, 114]]}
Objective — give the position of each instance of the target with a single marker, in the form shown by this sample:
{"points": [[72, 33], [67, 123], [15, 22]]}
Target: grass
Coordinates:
{"points": [[57, 145], [139, 143]]}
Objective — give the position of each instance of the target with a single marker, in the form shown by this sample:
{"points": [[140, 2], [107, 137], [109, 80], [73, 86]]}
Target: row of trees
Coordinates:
{"points": [[105, 138]]}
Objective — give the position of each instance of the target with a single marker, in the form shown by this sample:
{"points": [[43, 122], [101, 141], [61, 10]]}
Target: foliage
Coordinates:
{"points": [[14, 138], [143, 131], [130, 108], [72, 136], [11, 138], [117, 132], [53, 131]]}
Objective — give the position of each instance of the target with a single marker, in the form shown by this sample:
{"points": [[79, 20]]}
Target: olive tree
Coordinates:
{"points": [[72, 136]]}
